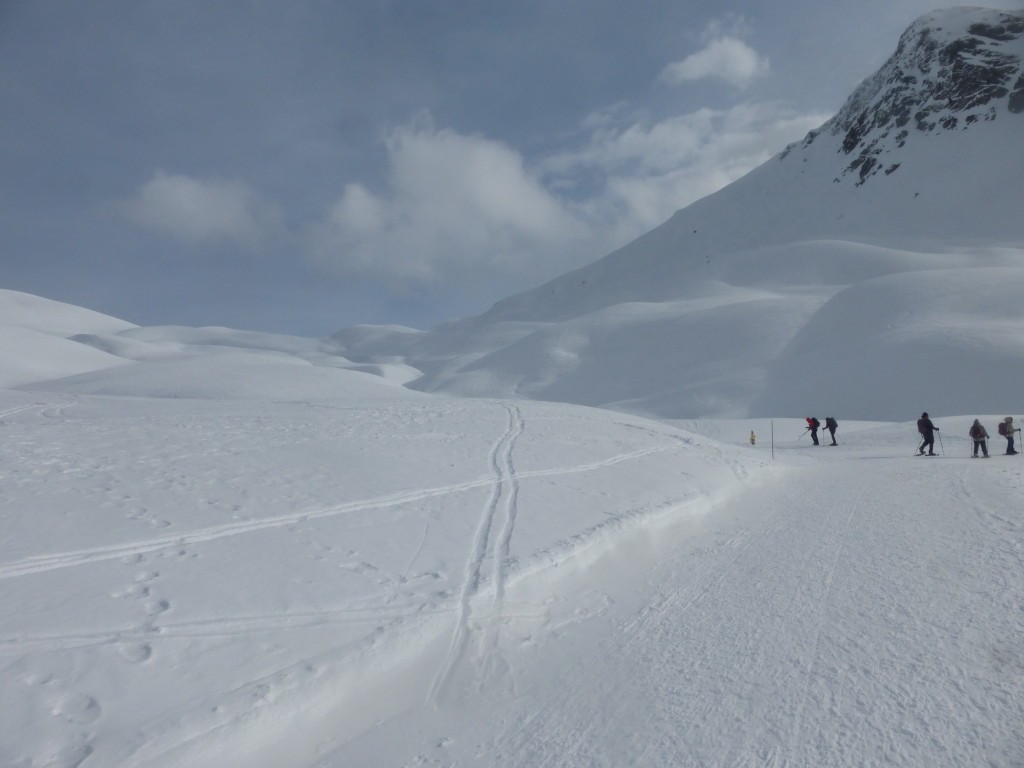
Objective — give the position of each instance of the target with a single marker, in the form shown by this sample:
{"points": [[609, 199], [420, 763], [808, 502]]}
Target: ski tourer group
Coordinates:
{"points": [[813, 425], [927, 430], [977, 433]]}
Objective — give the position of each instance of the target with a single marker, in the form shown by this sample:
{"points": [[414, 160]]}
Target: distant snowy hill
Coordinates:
{"points": [[49, 346], [34, 343], [868, 271]]}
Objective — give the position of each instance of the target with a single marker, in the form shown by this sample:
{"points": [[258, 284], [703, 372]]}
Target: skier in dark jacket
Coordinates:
{"points": [[927, 430], [832, 425], [812, 425], [980, 437]]}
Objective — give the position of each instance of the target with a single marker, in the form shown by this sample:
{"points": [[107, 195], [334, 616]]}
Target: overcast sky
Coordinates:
{"points": [[306, 165]]}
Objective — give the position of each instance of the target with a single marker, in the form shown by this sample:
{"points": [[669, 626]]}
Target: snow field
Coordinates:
{"points": [[438, 582], [863, 607], [183, 580]]}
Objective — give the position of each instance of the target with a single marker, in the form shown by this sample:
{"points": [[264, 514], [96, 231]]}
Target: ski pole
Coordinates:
{"points": [[941, 447]]}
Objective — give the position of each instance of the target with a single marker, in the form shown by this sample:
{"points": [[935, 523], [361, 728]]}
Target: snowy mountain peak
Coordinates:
{"points": [[952, 69]]}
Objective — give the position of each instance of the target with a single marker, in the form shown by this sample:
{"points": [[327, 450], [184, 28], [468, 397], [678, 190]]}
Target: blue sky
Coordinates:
{"points": [[309, 165]]}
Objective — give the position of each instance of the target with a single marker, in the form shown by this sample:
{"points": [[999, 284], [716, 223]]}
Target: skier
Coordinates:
{"points": [[1006, 429], [980, 437], [812, 425], [927, 430], [832, 425]]}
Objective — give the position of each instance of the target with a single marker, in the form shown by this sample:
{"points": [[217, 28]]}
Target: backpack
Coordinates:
{"points": [[814, 423], [1002, 428], [920, 425], [977, 432], [831, 423]]}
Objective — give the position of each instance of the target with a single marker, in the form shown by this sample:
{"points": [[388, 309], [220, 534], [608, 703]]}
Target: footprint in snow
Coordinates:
{"points": [[136, 652], [156, 607], [77, 708], [72, 756]]}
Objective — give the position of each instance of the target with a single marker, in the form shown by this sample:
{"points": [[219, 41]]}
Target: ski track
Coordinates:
{"points": [[490, 652], [500, 459], [48, 410], [49, 562], [18, 409], [214, 628]]}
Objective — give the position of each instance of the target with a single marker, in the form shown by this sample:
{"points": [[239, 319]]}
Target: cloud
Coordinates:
{"points": [[195, 210], [455, 205], [459, 208], [640, 171], [725, 56]]}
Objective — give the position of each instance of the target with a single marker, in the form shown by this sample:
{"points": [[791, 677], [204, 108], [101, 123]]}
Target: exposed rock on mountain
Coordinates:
{"points": [[941, 78]]}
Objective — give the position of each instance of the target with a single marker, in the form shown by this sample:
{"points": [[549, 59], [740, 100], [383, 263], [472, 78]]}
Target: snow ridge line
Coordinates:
{"points": [[500, 460], [40, 563]]}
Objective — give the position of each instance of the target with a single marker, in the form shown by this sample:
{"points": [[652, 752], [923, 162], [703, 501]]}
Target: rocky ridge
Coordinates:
{"points": [[949, 72]]}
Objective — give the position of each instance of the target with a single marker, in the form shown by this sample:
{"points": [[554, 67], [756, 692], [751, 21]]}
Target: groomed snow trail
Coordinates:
{"points": [[866, 610]]}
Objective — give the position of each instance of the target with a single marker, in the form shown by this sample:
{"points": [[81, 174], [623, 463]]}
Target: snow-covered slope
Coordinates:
{"points": [[715, 312], [382, 581], [34, 344], [49, 346]]}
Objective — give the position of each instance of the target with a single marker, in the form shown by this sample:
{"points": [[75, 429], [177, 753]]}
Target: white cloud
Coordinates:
{"points": [[646, 170], [458, 208], [455, 204], [195, 210], [727, 58]]}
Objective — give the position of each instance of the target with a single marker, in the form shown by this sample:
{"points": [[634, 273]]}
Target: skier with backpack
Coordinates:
{"points": [[812, 425], [980, 437], [832, 425], [1006, 429], [927, 430]]}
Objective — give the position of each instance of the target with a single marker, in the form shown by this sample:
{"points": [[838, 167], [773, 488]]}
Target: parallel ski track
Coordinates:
{"points": [[500, 459], [49, 562], [50, 410], [22, 409], [214, 628]]}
